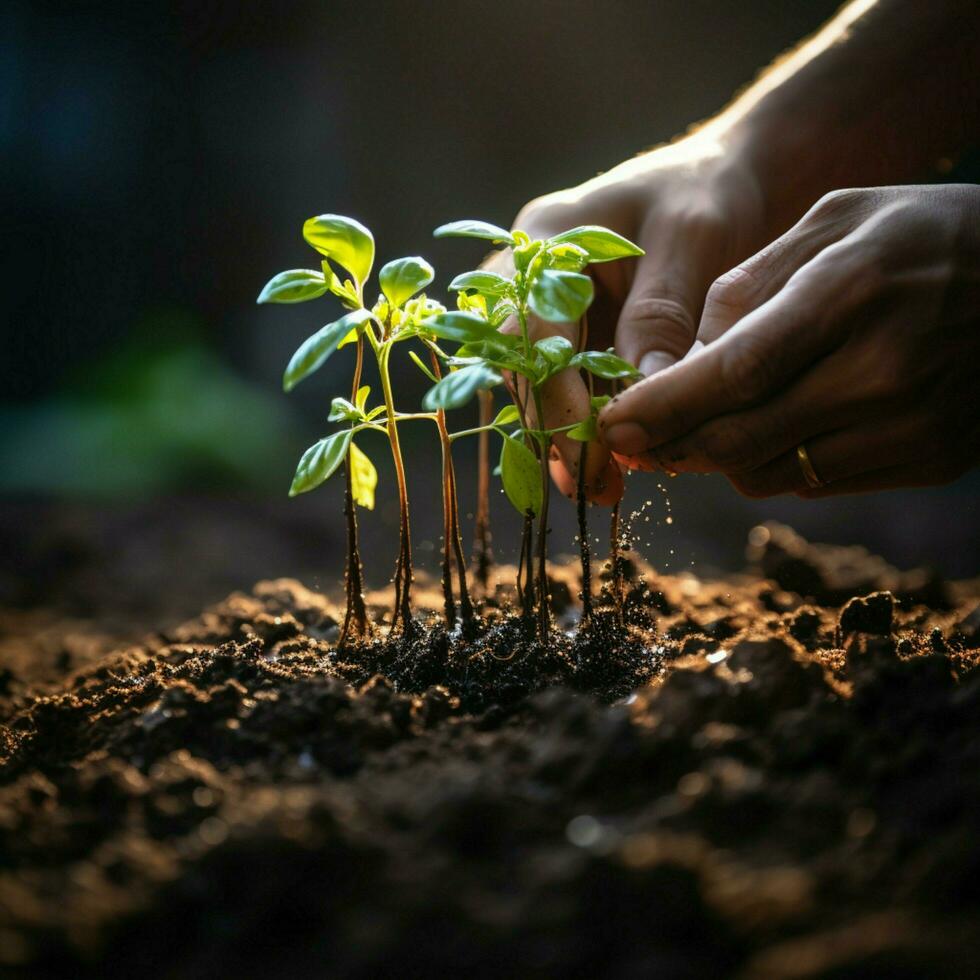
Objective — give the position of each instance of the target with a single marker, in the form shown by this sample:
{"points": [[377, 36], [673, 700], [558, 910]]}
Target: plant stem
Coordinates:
{"points": [[482, 548], [525, 566], [355, 617], [584, 549], [448, 601], [452, 536], [544, 591], [465, 603], [403, 568], [585, 553]]}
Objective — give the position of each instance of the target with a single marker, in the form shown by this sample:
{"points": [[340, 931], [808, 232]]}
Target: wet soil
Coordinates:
{"points": [[771, 776]]}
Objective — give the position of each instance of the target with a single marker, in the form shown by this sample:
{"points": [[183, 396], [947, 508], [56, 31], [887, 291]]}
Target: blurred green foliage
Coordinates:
{"points": [[162, 412]]}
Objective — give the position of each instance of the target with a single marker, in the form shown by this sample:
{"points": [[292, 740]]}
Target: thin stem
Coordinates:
{"points": [[403, 568], [452, 537], [482, 548], [355, 617], [584, 548], [544, 592], [585, 552], [448, 601], [525, 565], [465, 603]]}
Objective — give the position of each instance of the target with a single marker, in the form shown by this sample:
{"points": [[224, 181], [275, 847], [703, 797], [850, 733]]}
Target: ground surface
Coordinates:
{"points": [[748, 779]]}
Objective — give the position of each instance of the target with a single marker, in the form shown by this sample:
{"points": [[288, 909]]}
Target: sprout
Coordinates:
{"points": [[549, 283]]}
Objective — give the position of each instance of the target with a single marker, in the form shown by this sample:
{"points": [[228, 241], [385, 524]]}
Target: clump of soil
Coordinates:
{"points": [[733, 778]]}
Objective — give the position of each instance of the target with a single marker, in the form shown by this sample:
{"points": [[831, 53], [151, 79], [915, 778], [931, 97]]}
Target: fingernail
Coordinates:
{"points": [[627, 438], [655, 361]]}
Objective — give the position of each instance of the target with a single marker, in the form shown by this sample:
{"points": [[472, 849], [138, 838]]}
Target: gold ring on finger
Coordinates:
{"points": [[806, 465]]}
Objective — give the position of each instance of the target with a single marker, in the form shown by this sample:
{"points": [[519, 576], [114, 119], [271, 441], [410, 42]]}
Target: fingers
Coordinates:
{"points": [[842, 460], [658, 322], [754, 360], [823, 399], [746, 287], [606, 486], [659, 318]]}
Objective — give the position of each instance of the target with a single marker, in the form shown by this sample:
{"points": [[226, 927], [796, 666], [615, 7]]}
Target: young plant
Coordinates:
{"points": [[548, 282], [347, 245]]}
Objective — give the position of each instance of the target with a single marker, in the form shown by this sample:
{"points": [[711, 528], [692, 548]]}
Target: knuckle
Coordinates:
{"points": [[732, 292], [746, 371], [546, 215], [706, 221], [888, 374], [837, 202], [860, 263], [666, 320]]}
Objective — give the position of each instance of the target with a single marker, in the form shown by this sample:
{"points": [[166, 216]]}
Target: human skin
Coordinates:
{"points": [[885, 93]]}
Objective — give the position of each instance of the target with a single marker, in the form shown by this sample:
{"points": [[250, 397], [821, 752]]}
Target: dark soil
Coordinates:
{"points": [[753, 778]]}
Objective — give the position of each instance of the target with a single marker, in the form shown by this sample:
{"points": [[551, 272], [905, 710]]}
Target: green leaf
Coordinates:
{"points": [[401, 279], [464, 328], [520, 472], [345, 291], [294, 286], [556, 351], [488, 283], [599, 402], [560, 297], [508, 415], [420, 364], [503, 342], [320, 462], [315, 350], [568, 257], [469, 228], [605, 364], [458, 387], [585, 431], [344, 241], [602, 244], [503, 356], [525, 252], [501, 313], [341, 410], [361, 397], [363, 477]]}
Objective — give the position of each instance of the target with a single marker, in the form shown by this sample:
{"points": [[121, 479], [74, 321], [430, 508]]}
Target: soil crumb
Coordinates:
{"points": [[771, 776]]}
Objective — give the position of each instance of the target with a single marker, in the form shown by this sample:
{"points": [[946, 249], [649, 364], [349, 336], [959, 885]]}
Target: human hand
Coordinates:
{"points": [[695, 209], [857, 333]]}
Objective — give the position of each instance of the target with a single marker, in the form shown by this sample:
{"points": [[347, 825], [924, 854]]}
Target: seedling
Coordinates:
{"points": [[547, 282], [491, 327], [397, 315]]}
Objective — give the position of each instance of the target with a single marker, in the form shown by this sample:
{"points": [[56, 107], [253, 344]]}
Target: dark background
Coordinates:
{"points": [[159, 159]]}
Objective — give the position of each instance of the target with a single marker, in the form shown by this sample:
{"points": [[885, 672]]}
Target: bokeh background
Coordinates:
{"points": [[159, 159]]}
